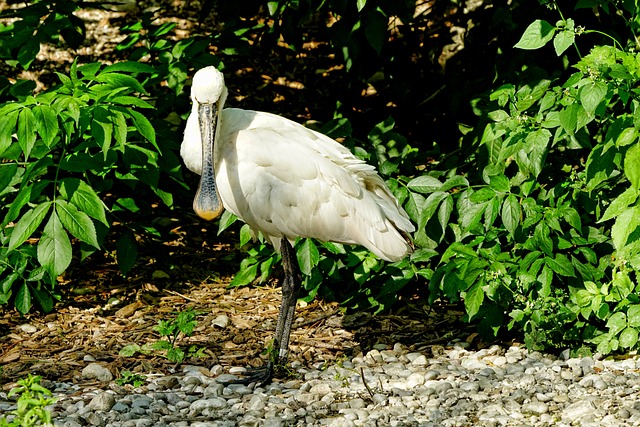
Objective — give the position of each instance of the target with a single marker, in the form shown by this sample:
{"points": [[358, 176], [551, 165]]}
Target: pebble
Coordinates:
{"points": [[452, 387], [97, 371]]}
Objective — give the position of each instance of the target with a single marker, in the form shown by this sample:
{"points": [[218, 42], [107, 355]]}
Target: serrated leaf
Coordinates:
{"points": [[130, 101], [27, 225], [7, 129], [563, 40], [129, 350], [632, 165], [245, 234], [84, 198], [8, 172], [429, 206], [626, 223], [143, 126], [511, 213], [499, 183], [126, 252], [245, 276], [473, 299], [569, 118], [453, 182], [592, 94], [46, 123], [633, 315], [620, 204], [444, 212], [102, 129], [424, 184], [308, 256], [117, 80], [26, 131], [77, 223], [616, 323], [22, 300], [572, 217], [561, 265], [226, 220], [537, 34], [628, 337], [54, 248], [120, 128]]}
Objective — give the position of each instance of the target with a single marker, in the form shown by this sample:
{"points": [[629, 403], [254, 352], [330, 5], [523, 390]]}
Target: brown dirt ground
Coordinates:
{"points": [[102, 311]]}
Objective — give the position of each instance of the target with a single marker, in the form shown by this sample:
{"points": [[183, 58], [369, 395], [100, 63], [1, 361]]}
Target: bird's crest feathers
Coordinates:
{"points": [[208, 85]]}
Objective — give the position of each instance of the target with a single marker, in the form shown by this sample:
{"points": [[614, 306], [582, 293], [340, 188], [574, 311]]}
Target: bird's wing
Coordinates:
{"points": [[288, 181]]}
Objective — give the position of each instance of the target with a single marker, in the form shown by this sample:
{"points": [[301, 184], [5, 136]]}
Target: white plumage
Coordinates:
{"points": [[286, 180]]}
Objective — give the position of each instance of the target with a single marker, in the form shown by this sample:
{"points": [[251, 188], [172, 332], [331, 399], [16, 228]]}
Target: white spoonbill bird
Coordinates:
{"points": [[285, 181]]}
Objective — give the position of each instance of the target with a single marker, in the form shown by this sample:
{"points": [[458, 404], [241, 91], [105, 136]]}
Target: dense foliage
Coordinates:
{"points": [[522, 175]]}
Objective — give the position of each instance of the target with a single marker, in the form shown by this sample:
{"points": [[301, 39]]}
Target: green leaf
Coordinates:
{"points": [[245, 276], [628, 337], [143, 126], [359, 3], [620, 204], [473, 299], [26, 131], [375, 29], [128, 67], [563, 40], [116, 80], [616, 323], [8, 172], [569, 118], [626, 223], [633, 314], [308, 256], [7, 129], [245, 234], [28, 53], [226, 220], [102, 129], [561, 265], [27, 225], [424, 184], [126, 252], [129, 350], [537, 34], [591, 95], [77, 223], [511, 213], [84, 198], [46, 123], [632, 165], [54, 248], [22, 301], [499, 183]]}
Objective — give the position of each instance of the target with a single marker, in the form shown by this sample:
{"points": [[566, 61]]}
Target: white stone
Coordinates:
{"points": [[97, 371]]}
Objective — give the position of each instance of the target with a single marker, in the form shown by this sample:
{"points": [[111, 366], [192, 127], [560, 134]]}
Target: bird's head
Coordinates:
{"points": [[208, 86]]}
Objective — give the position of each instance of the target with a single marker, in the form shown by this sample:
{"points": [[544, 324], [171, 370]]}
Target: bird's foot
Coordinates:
{"points": [[260, 375]]}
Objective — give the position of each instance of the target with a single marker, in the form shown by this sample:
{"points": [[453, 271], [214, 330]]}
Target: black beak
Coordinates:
{"points": [[207, 203]]}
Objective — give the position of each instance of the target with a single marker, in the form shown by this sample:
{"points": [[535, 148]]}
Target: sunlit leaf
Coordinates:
{"points": [[537, 34]]}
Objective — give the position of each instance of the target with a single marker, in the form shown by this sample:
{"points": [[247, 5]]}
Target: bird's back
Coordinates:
{"points": [[286, 180]]}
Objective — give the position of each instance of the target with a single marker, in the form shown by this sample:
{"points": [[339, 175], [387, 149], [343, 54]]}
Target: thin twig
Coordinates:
{"points": [[365, 382]]}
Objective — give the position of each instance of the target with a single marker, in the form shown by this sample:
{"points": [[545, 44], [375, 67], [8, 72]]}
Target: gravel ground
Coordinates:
{"points": [[386, 387]]}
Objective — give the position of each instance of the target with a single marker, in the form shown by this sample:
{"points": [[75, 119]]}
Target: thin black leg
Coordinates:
{"points": [[290, 287]]}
